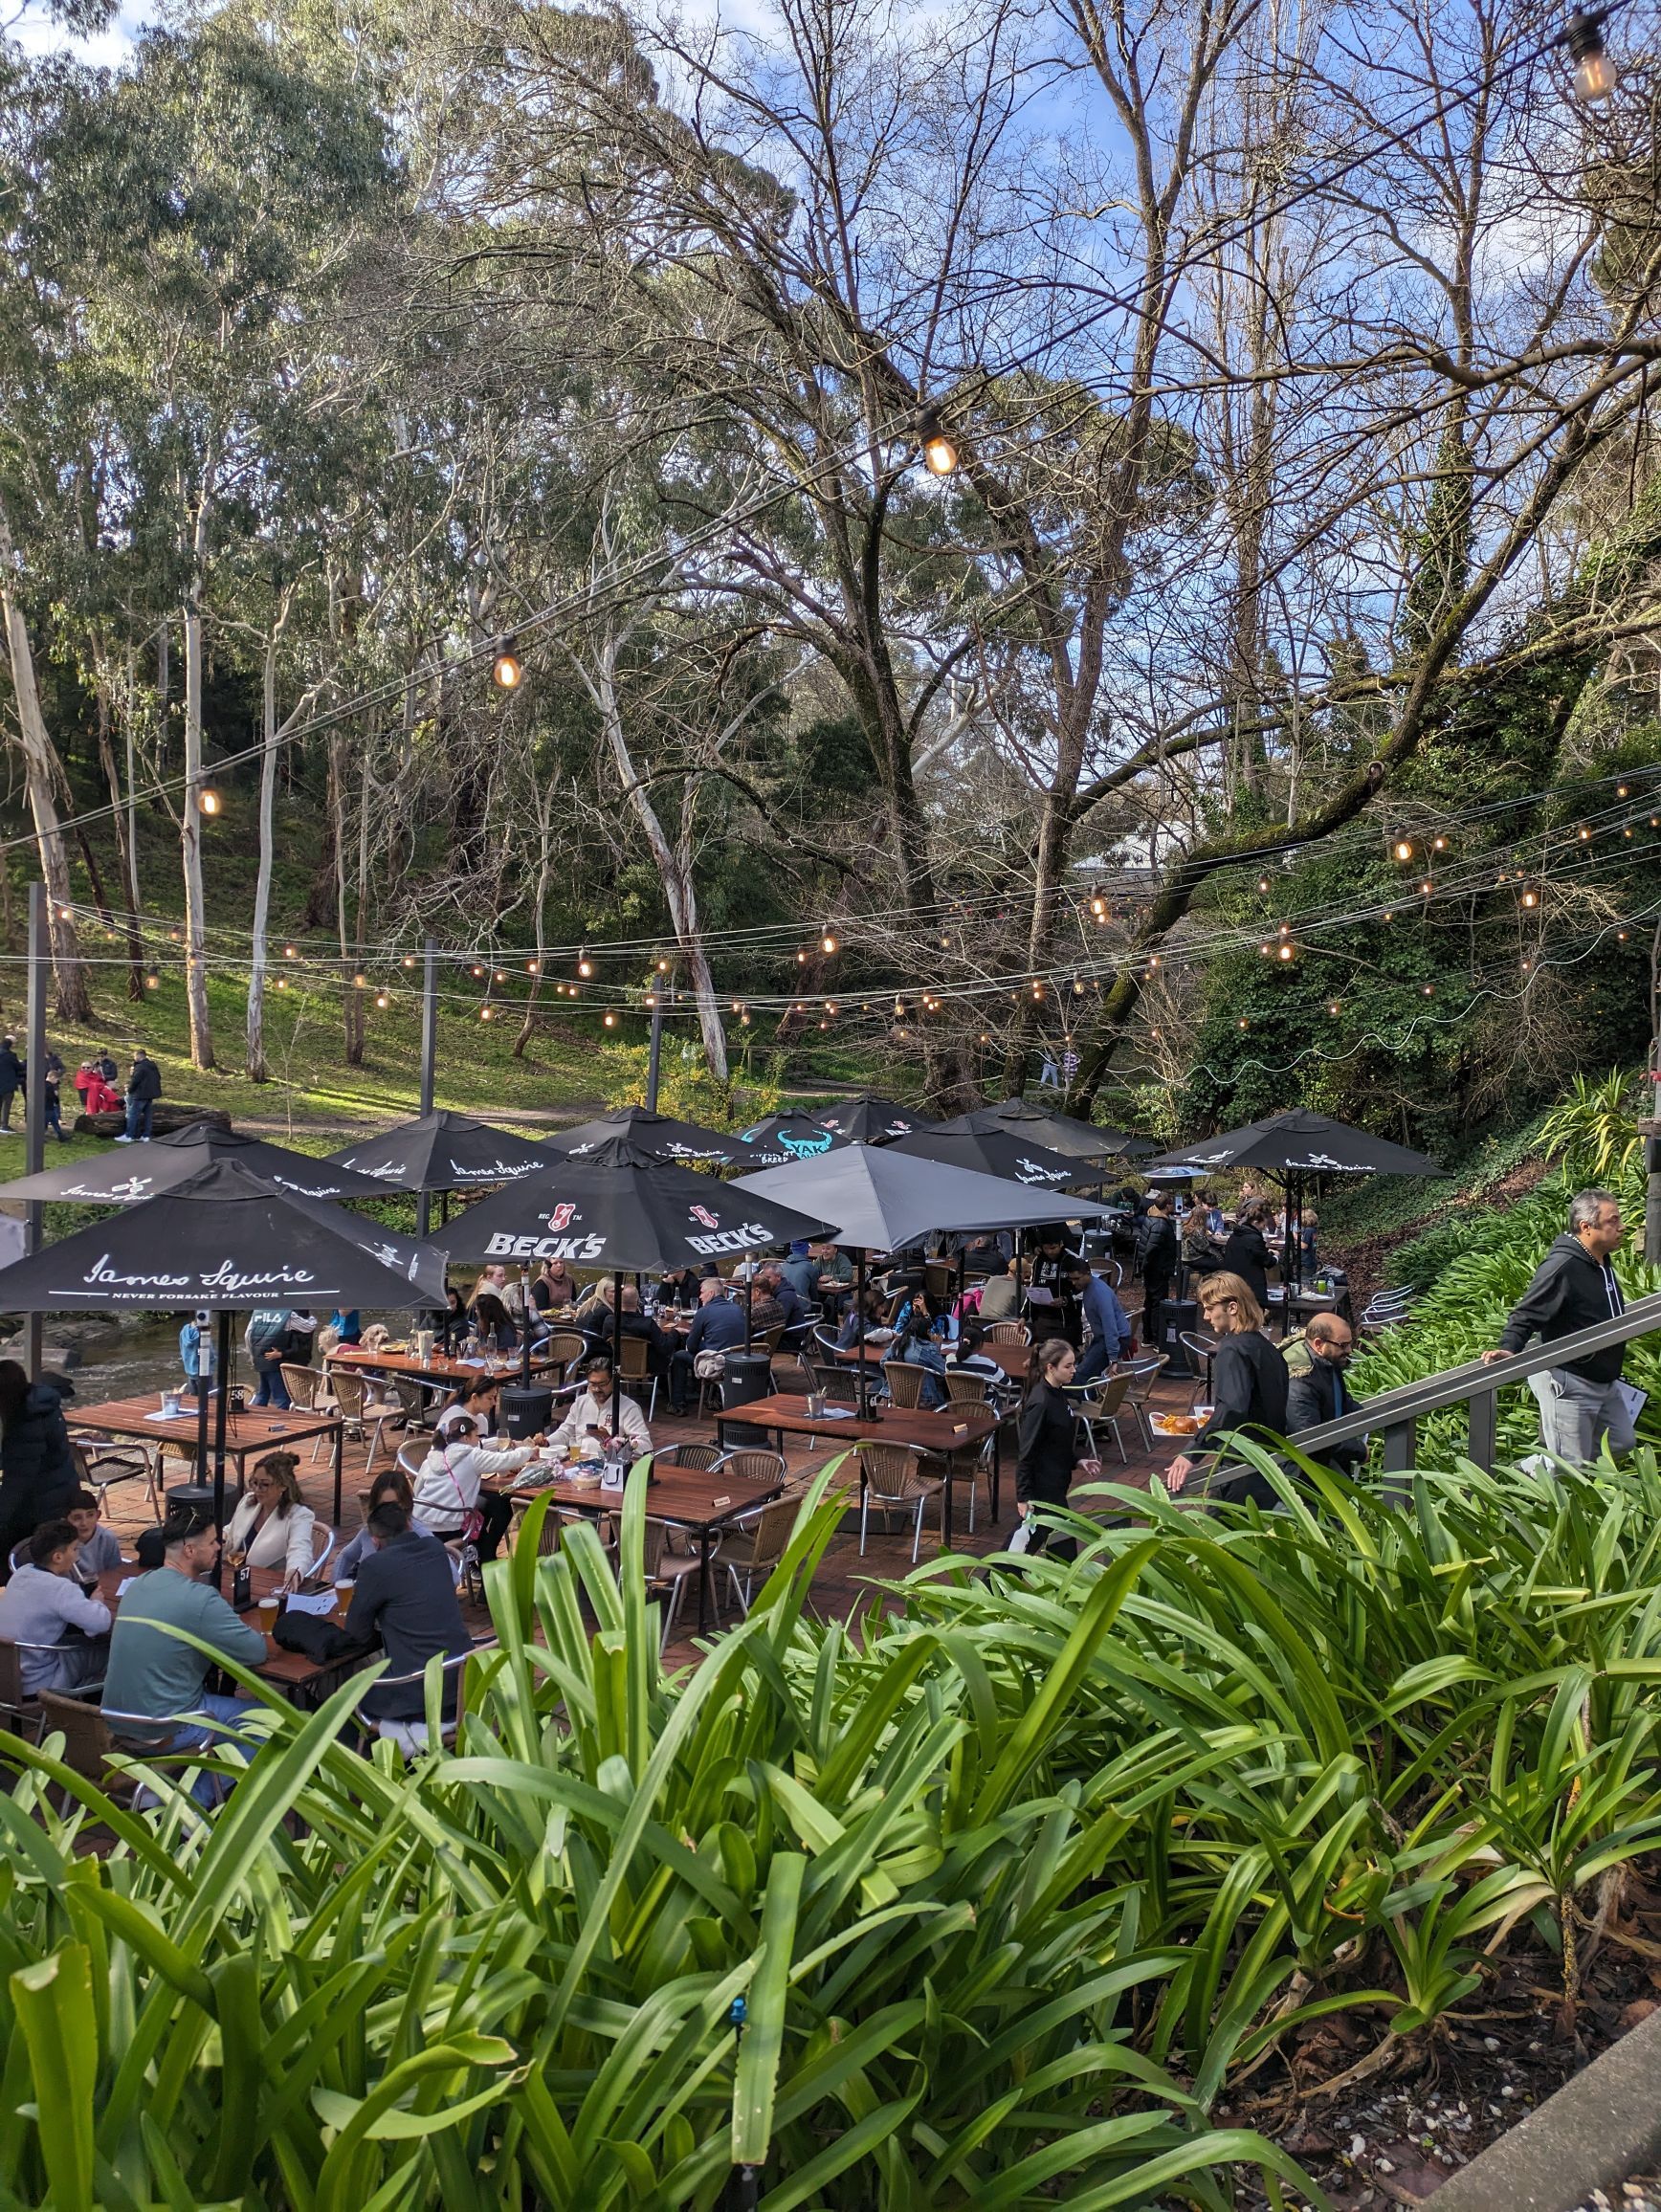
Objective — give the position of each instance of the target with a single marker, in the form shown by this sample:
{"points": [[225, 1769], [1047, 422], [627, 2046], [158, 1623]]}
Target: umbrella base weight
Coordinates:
{"points": [[191, 1498], [524, 1413]]}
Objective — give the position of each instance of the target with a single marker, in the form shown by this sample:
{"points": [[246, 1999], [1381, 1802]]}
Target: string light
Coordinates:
{"points": [[533, 967], [152, 982], [940, 451], [1529, 900], [1403, 848], [828, 943], [585, 965], [360, 982], [487, 1013], [382, 1001], [408, 959], [506, 668], [610, 1021], [1595, 74], [208, 802]]}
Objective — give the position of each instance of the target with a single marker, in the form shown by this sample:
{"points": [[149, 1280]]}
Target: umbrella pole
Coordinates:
{"points": [[749, 1299], [202, 1409], [220, 1406], [526, 1304], [859, 1332], [617, 1350]]}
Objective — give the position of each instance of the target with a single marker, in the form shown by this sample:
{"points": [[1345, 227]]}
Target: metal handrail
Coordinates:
{"points": [[1395, 1414]]}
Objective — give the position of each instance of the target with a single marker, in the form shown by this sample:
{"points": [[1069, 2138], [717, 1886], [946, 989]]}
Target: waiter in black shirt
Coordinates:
{"points": [[1047, 1434]]}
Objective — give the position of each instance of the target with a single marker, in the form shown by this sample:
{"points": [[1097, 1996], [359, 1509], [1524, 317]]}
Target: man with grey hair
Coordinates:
{"points": [[1574, 1288]]}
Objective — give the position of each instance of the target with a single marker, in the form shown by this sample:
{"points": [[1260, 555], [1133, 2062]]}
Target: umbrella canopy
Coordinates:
{"points": [[781, 1138], [1061, 1133], [226, 1240], [659, 1133], [868, 1120], [886, 1199], [1300, 1143], [618, 1207], [441, 1152], [129, 1178], [996, 1151]]}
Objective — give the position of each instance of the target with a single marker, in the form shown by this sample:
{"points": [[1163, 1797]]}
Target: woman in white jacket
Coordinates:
{"points": [[449, 1488], [271, 1526]]}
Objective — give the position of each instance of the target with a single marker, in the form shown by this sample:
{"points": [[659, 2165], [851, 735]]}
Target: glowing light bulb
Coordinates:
{"points": [[1595, 74], [1403, 848], [610, 1021], [506, 668], [382, 1001], [828, 943], [939, 452], [208, 802], [152, 982]]}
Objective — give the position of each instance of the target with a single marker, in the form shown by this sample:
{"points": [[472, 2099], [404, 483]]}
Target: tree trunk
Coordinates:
{"points": [[190, 814], [258, 957], [41, 774]]}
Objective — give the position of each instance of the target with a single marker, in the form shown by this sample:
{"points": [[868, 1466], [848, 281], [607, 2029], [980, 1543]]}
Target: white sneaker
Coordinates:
{"points": [[123, 1140]]}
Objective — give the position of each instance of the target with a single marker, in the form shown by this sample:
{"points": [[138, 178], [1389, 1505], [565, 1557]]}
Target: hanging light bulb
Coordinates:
{"points": [[940, 451], [1263, 885], [1595, 74], [1430, 991], [1331, 1006], [408, 959], [610, 1021], [533, 967], [1289, 952], [828, 943], [501, 975], [506, 668], [487, 1013], [382, 1001], [663, 967], [1438, 844], [1530, 899], [208, 802], [360, 982], [282, 983], [152, 982], [1403, 848]]}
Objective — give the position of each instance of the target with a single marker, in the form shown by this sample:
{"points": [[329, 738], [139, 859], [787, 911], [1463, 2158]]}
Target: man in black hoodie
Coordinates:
{"points": [[1574, 1288]]}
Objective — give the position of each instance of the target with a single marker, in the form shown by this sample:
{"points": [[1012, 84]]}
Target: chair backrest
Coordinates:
{"points": [[304, 1385], [769, 1340], [320, 1554], [940, 1278], [408, 1458], [1110, 1272], [773, 1526], [411, 1397], [891, 1470], [965, 1389], [1008, 1332], [637, 1364], [564, 1346], [904, 1383], [837, 1383], [10, 1674], [1101, 1400], [700, 1458], [791, 1376], [826, 1340], [88, 1741], [1195, 1340], [754, 1466], [350, 1392], [1143, 1374]]}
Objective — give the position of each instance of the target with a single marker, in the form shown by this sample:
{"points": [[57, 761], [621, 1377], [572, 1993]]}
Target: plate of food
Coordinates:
{"points": [[1176, 1423]]}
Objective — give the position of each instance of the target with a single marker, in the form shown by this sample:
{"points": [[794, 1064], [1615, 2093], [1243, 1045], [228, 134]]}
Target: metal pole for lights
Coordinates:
{"points": [[35, 1095], [222, 1362], [429, 1060]]}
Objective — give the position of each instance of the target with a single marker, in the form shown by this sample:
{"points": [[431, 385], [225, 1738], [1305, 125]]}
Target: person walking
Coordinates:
{"points": [[37, 1470], [1248, 1384], [144, 1089], [11, 1082], [1246, 1253], [1319, 1395], [1047, 1458], [52, 1095], [269, 1341], [196, 1352], [1574, 1288]]}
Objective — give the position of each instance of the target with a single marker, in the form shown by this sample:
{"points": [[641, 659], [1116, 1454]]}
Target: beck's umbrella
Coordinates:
{"points": [[129, 1178], [225, 1240], [782, 1137], [1290, 1147], [1061, 1133], [659, 1133], [868, 1120], [997, 1152], [620, 1208], [886, 1199], [441, 1152]]}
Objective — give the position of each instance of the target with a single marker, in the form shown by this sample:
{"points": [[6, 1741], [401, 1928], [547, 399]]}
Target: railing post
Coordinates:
{"points": [[1401, 1442], [1484, 1413]]}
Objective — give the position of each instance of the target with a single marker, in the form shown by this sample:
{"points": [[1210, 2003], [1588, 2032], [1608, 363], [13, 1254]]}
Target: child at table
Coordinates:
{"points": [[97, 1549]]}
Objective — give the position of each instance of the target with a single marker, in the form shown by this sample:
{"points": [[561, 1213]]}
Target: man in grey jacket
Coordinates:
{"points": [[65, 1630], [1573, 1289]]}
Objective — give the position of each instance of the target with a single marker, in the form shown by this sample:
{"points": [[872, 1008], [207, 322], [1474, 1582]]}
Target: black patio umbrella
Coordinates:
{"points": [[441, 1152], [868, 1120], [227, 1241], [1292, 1147], [886, 1198], [129, 1178], [997, 1152], [778, 1138], [659, 1133], [1061, 1133], [621, 1208]]}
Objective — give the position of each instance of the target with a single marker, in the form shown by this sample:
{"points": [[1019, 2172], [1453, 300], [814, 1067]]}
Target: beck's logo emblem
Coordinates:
{"points": [[703, 1214], [562, 1215]]}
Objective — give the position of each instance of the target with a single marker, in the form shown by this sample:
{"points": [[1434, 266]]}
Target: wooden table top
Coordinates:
{"points": [[954, 1429], [283, 1670], [1015, 1359], [249, 1431], [503, 1367], [688, 1497]]}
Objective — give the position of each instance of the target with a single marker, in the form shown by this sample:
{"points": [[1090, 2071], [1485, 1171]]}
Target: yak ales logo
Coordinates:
{"points": [[563, 1215], [702, 1214]]}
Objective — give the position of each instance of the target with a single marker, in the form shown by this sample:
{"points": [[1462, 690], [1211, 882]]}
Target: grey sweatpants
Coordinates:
{"points": [[1576, 1415]]}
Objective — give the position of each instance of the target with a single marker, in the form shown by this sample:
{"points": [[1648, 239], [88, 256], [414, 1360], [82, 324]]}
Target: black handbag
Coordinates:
{"points": [[316, 1638]]}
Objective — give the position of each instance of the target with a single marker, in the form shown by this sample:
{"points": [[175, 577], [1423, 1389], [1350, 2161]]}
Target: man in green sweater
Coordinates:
{"points": [[155, 1674]]}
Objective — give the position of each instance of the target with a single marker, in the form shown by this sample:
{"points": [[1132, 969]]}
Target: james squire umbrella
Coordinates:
{"points": [[128, 1178]]}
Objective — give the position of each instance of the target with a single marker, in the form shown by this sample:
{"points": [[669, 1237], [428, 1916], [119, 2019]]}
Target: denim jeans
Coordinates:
{"points": [[139, 1112], [272, 1390], [209, 1789]]}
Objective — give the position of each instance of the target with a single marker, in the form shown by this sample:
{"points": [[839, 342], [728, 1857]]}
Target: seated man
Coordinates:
{"points": [[786, 1305], [157, 1675], [718, 1326], [1319, 1395], [405, 1595], [44, 1603], [635, 1323], [801, 1270], [997, 1295], [1111, 1332], [600, 1410]]}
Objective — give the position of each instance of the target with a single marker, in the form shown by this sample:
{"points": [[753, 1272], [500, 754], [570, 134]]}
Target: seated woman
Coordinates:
{"points": [[449, 1486], [915, 1346], [272, 1527], [454, 1323], [392, 1484], [858, 1326], [493, 1323], [602, 1411], [969, 1355], [476, 1400]]}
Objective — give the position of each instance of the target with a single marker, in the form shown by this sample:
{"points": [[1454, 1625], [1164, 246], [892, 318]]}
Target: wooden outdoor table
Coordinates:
{"points": [[942, 1435], [297, 1676], [440, 1372], [247, 1434], [699, 1502]]}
